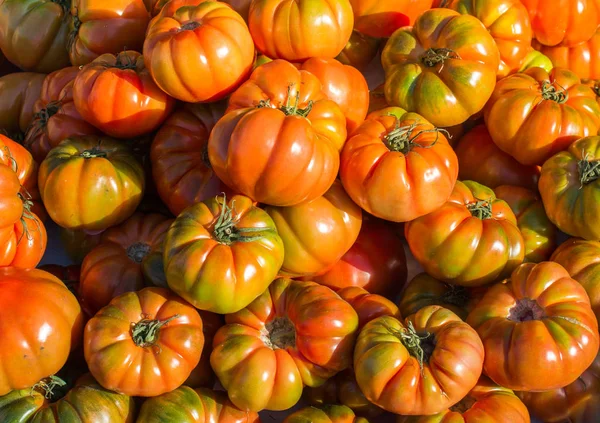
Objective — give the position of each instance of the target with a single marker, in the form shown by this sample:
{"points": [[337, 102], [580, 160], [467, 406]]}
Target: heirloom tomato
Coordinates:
{"points": [[144, 343], [538, 328], [78, 243], [105, 26], [535, 114], [443, 68], [325, 414], [472, 240], [397, 166], [359, 51], [117, 95], [41, 322], [301, 29], [294, 334], [423, 365], [102, 172], [221, 254], [128, 257], [569, 184], [316, 234], [535, 59], [200, 51], [203, 374], [368, 306], [187, 405], [26, 245], [480, 160], [18, 93], [283, 121], [34, 33], [380, 18]]}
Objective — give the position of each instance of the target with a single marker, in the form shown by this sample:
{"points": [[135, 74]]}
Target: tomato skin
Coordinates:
{"points": [[398, 177], [112, 351], [392, 378], [325, 414], [490, 248], [381, 18], [567, 193], [15, 116], [124, 20], [528, 119], [187, 405], [318, 233], [203, 374], [481, 160], [204, 25], [535, 59], [33, 34], [359, 51], [219, 273], [120, 191], [294, 334], [297, 31], [544, 313], [36, 302], [27, 243], [136, 107], [368, 306], [433, 88]]}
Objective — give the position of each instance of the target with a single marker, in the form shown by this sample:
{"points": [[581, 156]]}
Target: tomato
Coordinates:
{"points": [[565, 22], [187, 405], [294, 334], [397, 166], [508, 23], [569, 185], [535, 59], [240, 6], [381, 18], [128, 255], [581, 259], [529, 320], [359, 51], [40, 321], [179, 157], [136, 106], [18, 93], [424, 290], [472, 240], [11, 204], [87, 401], [376, 262], [482, 161], [368, 306], [423, 365], [27, 243], [144, 343], [443, 68], [203, 375], [344, 85], [34, 33], [299, 30], [535, 114], [124, 21], [578, 402], [221, 254], [78, 243], [81, 160], [486, 402], [282, 120], [318, 233], [325, 414], [199, 29]]}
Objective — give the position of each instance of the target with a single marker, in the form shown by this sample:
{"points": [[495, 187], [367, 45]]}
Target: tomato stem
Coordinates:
{"points": [[525, 310], [76, 24], [596, 88], [420, 346], [550, 92], [47, 386], [225, 230], [94, 153], [129, 63], [435, 56], [190, 26], [136, 252], [293, 109], [279, 333], [145, 332], [482, 209], [401, 138], [589, 170], [456, 295]]}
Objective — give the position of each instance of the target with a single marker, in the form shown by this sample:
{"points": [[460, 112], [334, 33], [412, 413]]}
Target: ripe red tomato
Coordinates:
{"points": [[359, 51], [16, 116], [530, 320], [380, 18], [27, 243], [325, 414]]}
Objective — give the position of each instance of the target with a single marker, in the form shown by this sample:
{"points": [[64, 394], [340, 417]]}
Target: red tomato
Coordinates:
{"points": [[380, 18], [368, 306], [27, 243]]}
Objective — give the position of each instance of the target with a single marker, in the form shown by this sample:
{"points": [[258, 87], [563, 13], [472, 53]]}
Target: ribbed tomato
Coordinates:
{"points": [[368, 306], [325, 414], [16, 116], [380, 18], [535, 59], [27, 243]]}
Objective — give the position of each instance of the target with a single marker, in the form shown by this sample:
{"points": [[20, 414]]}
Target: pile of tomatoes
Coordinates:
{"points": [[236, 183]]}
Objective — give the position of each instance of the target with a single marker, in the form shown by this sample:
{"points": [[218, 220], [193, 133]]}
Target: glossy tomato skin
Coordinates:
{"points": [[481, 160], [368, 306], [569, 193], [34, 33], [445, 87], [397, 166], [490, 243], [187, 405], [41, 322], [535, 114], [391, 376], [81, 159], [381, 18], [297, 31], [146, 364], [535, 59], [325, 414], [294, 334], [544, 313], [201, 262], [318, 233], [136, 105], [359, 51], [15, 116], [92, 20], [27, 243], [282, 119], [199, 28]]}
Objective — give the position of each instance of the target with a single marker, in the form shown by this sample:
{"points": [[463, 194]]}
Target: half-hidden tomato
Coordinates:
{"points": [[535, 59], [380, 18], [325, 414], [18, 93], [359, 51], [368, 306], [203, 374]]}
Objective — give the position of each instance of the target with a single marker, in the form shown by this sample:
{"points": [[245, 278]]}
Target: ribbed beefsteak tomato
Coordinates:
{"points": [[368, 306], [325, 414], [535, 59], [380, 18], [18, 93]]}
